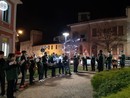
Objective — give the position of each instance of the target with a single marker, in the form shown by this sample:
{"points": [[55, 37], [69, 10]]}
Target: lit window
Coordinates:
{"points": [[5, 48], [48, 47], [6, 15], [56, 46], [52, 47]]}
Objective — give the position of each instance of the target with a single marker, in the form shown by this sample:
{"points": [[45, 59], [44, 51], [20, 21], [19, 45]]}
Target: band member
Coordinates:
{"points": [[18, 62], [2, 73], [109, 60], [101, 61], [40, 69], [11, 74], [122, 60], [61, 65], [45, 63], [93, 61], [84, 60], [31, 70], [76, 62], [23, 67], [66, 65]]}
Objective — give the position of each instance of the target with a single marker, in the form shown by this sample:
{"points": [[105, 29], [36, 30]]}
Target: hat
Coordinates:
{"points": [[24, 51], [18, 53], [1, 52], [30, 57], [100, 51]]}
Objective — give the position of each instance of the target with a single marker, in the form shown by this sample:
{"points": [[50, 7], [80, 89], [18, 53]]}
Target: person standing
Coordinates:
{"points": [[11, 74], [93, 60], [18, 62], [2, 73], [109, 60], [122, 60], [40, 69], [45, 63], [66, 65], [76, 62], [60, 63], [101, 61], [31, 70], [23, 68], [84, 60]]}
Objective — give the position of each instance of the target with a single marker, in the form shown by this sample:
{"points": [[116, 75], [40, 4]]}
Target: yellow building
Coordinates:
{"points": [[36, 49], [50, 48]]}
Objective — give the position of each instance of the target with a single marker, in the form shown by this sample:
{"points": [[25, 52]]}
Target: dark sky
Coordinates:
{"points": [[52, 16]]}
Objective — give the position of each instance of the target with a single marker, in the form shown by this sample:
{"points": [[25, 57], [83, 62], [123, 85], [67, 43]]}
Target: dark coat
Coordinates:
{"points": [[40, 67], [11, 71], [2, 67]]}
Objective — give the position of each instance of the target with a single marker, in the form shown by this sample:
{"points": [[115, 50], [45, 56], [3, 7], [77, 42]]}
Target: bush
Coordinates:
{"points": [[125, 93], [108, 82]]}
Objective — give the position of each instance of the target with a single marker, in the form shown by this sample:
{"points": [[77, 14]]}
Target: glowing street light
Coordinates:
{"points": [[20, 31], [66, 34]]}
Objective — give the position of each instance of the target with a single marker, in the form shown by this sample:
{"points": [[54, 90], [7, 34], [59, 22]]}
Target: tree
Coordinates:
{"points": [[109, 35]]}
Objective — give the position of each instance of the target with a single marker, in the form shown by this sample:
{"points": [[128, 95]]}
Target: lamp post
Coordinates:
{"points": [[65, 34], [19, 32]]}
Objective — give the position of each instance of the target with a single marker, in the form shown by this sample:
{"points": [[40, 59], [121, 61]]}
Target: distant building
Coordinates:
{"points": [[8, 27], [112, 33], [32, 46]]}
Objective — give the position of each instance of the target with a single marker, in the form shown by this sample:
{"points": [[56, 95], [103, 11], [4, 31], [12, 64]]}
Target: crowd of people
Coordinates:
{"points": [[19, 62]]}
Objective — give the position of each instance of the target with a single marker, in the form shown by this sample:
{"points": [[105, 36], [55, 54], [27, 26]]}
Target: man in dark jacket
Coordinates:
{"points": [[2, 73], [122, 59], [76, 62], [101, 61], [23, 67], [45, 63]]}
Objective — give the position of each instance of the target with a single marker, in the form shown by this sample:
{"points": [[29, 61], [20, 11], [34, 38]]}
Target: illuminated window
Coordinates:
{"points": [[48, 47], [56, 46], [6, 15], [51, 46], [5, 48]]}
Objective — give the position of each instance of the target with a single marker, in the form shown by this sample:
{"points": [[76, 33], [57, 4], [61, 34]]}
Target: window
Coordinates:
{"points": [[114, 30], [114, 49], [51, 46], [120, 30], [6, 15], [5, 48], [120, 47], [94, 32], [48, 47], [56, 46]]}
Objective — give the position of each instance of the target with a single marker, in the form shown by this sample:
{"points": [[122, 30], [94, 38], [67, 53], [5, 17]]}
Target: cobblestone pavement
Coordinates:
{"points": [[74, 86]]}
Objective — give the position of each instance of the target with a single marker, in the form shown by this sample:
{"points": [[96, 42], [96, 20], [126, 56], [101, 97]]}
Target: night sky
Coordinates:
{"points": [[52, 16]]}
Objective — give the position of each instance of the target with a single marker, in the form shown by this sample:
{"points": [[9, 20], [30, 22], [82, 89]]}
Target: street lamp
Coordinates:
{"points": [[20, 32], [65, 34]]}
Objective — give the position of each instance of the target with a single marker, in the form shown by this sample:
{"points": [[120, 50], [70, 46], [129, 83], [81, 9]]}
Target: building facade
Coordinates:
{"points": [[104, 34], [8, 27], [32, 46]]}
